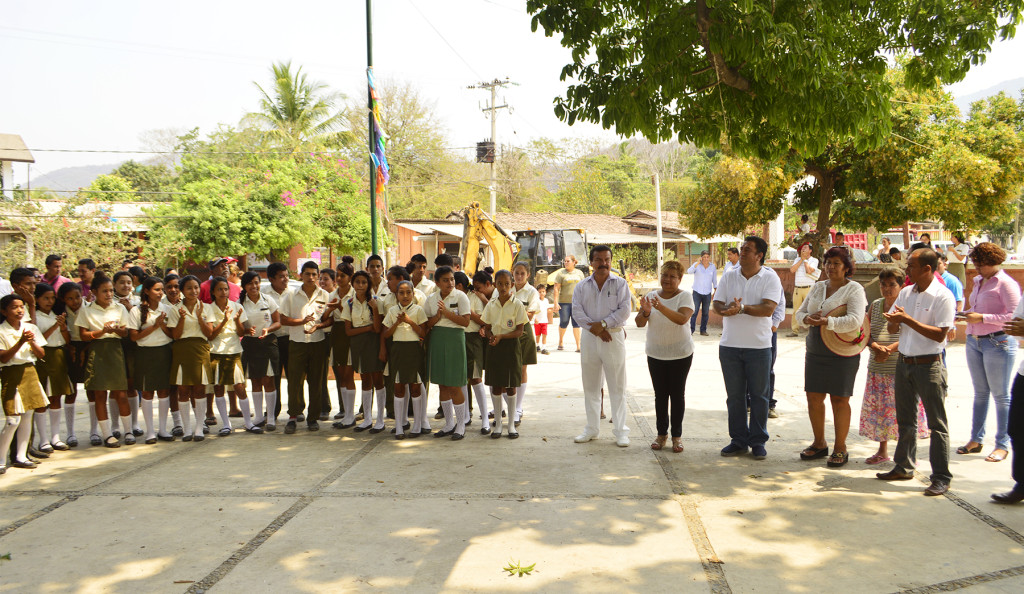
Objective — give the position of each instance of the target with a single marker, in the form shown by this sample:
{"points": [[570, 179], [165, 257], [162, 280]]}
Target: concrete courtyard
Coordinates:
{"points": [[344, 511]]}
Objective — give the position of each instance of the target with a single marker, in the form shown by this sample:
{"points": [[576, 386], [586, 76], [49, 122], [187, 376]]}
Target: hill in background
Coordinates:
{"points": [[71, 178]]}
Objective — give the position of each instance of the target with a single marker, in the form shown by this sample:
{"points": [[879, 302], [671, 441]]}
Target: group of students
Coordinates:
{"points": [[192, 344]]}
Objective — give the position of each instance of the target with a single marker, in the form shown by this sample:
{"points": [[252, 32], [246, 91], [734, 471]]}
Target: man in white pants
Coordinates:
{"points": [[600, 304]]}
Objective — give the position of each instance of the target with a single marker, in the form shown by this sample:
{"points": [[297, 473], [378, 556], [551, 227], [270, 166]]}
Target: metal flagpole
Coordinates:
{"points": [[371, 145]]}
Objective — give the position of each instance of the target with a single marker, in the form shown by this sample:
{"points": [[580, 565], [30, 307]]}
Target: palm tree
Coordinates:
{"points": [[298, 111]]}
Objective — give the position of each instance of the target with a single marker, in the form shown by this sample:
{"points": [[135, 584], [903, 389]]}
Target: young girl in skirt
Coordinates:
{"points": [[476, 344], [70, 294], [171, 300], [447, 310], [405, 325], [148, 330], [362, 323], [21, 345], [259, 348], [124, 293], [385, 301], [340, 342], [327, 283], [525, 293], [52, 368], [227, 320], [190, 355], [103, 324], [505, 321]]}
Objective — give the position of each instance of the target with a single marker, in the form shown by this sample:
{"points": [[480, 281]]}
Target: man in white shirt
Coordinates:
{"points": [[747, 297], [277, 274], [302, 313], [732, 256], [601, 306], [417, 269], [923, 313], [805, 273]]}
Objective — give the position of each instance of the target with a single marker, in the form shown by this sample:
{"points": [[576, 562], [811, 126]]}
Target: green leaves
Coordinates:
{"points": [[515, 568]]}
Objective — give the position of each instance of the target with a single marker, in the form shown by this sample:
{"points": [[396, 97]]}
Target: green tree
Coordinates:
{"points": [[601, 184], [147, 178], [734, 193], [296, 111], [109, 187]]}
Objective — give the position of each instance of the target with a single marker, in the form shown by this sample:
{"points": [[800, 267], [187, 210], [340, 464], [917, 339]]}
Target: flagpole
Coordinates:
{"points": [[371, 145]]}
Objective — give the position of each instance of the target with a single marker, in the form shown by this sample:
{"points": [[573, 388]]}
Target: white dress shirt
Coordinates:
{"points": [[45, 321], [404, 332], [260, 313], [9, 337], [610, 303], [743, 331], [456, 302], [932, 307], [504, 318], [227, 342], [155, 338], [297, 305]]}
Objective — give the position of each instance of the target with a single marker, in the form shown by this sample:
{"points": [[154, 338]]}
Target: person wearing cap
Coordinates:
{"points": [[834, 313], [705, 282], [923, 313], [219, 267]]}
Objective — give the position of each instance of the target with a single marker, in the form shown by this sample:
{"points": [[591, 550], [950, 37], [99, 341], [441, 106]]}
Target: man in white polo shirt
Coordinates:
{"points": [[923, 313], [746, 299]]}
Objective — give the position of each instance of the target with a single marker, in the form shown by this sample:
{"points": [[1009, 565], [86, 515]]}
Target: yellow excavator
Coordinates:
{"points": [[478, 226]]}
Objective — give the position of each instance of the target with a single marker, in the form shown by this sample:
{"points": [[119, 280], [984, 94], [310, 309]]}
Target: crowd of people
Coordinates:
{"points": [[225, 343]]}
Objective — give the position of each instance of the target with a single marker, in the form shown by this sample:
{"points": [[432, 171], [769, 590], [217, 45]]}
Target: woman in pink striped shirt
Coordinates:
{"points": [[990, 351]]}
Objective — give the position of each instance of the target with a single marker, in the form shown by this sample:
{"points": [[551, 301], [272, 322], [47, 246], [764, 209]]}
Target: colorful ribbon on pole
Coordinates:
{"points": [[377, 154]]}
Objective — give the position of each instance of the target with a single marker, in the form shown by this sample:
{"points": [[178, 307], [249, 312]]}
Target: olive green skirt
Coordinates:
{"points": [[364, 349], [105, 367], [190, 362], [21, 390], [153, 368], [447, 356], [476, 351], [504, 368], [527, 346], [53, 371], [227, 369], [405, 362], [959, 270]]}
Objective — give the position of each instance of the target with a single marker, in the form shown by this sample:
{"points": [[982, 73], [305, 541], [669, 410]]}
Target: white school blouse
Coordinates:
{"points": [[278, 299], [456, 302], [228, 342], [359, 313], [476, 305], [155, 338], [193, 316], [529, 297], [73, 330], [405, 333], [45, 321], [260, 314], [504, 318], [9, 337], [93, 318]]}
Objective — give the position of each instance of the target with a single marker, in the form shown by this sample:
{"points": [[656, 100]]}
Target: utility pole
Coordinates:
{"points": [[372, 140], [656, 180], [494, 85]]}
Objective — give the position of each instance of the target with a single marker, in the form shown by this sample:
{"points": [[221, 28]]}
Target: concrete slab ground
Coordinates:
{"points": [[342, 511]]}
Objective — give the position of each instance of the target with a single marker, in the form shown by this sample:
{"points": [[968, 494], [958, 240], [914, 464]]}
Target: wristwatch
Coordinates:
{"points": [[742, 307], [604, 324]]}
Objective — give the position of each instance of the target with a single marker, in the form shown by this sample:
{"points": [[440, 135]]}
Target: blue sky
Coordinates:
{"points": [[95, 75]]}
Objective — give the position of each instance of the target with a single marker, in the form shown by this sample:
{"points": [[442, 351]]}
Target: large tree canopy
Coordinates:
{"points": [[762, 77]]}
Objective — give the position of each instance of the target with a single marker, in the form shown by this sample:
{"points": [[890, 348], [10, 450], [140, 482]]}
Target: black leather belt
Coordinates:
{"points": [[922, 360], [992, 335]]}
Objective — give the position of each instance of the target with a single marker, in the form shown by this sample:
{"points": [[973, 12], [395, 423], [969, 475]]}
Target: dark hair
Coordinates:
{"points": [[362, 274], [489, 270], [457, 261], [443, 260], [893, 251], [462, 279], [7, 300], [928, 235], [409, 267], [171, 277], [67, 288], [943, 257], [20, 274], [346, 268], [53, 258], [599, 248], [347, 259], [894, 273], [917, 246], [733, 250], [987, 253], [88, 263], [98, 281], [329, 272], [411, 288], [522, 263], [503, 272], [844, 256], [138, 272], [760, 245], [399, 272], [307, 265], [838, 233], [375, 257], [704, 253], [442, 272], [185, 280], [803, 218], [216, 280], [275, 268], [481, 276], [928, 257], [122, 273], [959, 236], [147, 285], [41, 289], [246, 279], [419, 258]]}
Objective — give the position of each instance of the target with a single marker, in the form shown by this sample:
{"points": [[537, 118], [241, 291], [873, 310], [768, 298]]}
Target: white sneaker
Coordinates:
{"points": [[584, 437], [622, 442]]}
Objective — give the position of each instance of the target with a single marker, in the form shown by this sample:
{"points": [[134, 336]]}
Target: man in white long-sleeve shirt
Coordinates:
{"points": [[601, 306]]}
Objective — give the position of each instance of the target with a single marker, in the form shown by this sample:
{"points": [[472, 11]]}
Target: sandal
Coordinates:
{"points": [[967, 449], [877, 459], [659, 442], [561, 348], [813, 453], [838, 459], [112, 442], [997, 457], [676, 445]]}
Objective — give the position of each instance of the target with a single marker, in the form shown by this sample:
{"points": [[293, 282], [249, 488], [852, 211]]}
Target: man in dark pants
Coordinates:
{"points": [[277, 274], [1016, 424], [923, 314], [777, 317], [302, 313]]}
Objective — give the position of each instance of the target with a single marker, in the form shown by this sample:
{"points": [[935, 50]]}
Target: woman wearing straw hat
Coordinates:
{"points": [[834, 312]]}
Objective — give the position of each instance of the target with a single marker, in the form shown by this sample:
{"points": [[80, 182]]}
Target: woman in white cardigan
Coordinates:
{"points": [[837, 304]]}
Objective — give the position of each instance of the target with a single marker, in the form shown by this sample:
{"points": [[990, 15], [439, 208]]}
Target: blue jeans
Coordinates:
{"points": [[700, 301], [991, 362], [565, 316], [746, 371], [771, 379]]}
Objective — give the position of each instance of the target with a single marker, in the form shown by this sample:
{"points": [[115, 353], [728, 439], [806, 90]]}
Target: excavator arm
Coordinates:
{"points": [[476, 226]]}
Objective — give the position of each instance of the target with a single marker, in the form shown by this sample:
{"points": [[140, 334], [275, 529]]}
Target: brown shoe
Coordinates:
{"points": [[894, 475], [936, 488]]}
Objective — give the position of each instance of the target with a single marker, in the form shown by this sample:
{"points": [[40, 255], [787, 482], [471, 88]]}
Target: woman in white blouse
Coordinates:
{"points": [[669, 351], [837, 304]]}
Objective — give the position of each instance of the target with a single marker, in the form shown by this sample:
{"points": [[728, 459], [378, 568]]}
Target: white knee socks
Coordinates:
{"points": [[423, 403], [55, 426], [401, 414], [382, 397], [126, 423], [222, 407], [449, 415], [461, 416], [94, 427], [147, 415], [22, 437], [496, 403], [350, 406], [133, 405], [10, 428], [510, 402], [113, 413], [367, 409], [185, 416], [271, 407], [43, 428], [200, 411], [176, 414], [520, 395], [257, 405], [481, 401], [243, 403], [69, 418], [104, 429], [164, 406]]}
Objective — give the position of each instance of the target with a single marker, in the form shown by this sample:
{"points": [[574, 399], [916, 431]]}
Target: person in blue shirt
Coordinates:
{"points": [[705, 282], [952, 282]]}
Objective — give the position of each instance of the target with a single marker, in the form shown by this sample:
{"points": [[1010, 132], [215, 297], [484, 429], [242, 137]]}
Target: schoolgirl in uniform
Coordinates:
{"points": [[52, 368], [71, 295], [341, 359], [171, 299], [190, 355], [447, 311], [363, 325], [327, 283], [505, 320], [148, 330], [404, 324], [124, 293], [462, 283], [525, 293], [103, 324], [476, 344], [385, 301], [227, 326], [21, 345], [260, 356]]}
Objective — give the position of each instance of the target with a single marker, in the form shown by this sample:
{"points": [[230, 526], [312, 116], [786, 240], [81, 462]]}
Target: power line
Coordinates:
{"points": [[439, 34], [201, 152]]}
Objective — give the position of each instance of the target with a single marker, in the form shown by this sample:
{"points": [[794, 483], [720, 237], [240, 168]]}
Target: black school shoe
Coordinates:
{"points": [[289, 428]]}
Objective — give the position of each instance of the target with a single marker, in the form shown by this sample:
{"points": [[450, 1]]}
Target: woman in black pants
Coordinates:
{"points": [[669, 351], [1015, 327]]}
